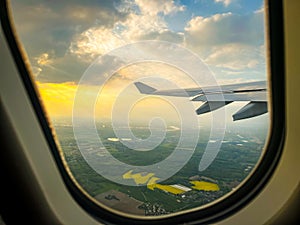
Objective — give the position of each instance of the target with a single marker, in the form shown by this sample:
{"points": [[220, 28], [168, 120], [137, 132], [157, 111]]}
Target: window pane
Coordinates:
{"points": [[159, 107]]}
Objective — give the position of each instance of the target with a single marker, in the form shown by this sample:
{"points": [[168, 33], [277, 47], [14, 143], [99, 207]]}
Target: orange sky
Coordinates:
{"points": [[58, 101], [58, 98]]}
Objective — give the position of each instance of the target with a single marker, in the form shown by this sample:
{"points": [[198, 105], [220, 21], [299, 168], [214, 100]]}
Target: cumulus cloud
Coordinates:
{"points": [[94, 42], [231, 44], [50, 26], [63, 39], [235, 57], [225, 28], [152, 8], [143, 22]]}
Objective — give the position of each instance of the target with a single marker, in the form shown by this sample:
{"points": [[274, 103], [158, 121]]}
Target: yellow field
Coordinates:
{"points": [[152, 183], [150, 179], [139, 178], [166, 188], [205, 186]]}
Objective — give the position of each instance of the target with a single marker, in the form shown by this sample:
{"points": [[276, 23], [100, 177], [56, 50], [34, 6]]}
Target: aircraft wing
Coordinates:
{"points": [[216, 97]]}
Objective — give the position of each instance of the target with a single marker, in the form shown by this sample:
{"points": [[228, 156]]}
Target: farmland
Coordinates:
{"points": [[236, 160]]}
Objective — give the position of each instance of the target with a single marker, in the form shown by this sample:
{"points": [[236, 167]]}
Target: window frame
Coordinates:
{"points": [[221, 209]]}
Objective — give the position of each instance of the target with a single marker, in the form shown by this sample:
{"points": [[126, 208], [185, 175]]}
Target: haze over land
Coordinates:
{"points": [[239, 154]]}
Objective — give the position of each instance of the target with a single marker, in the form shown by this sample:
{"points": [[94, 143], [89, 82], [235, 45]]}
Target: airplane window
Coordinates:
{"points": [[159, 108]]}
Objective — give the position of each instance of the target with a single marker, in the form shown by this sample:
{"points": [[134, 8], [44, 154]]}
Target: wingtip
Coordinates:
{"points": [[144, 88]]}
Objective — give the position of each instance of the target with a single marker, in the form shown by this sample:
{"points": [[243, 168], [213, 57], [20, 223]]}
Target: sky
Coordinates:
{"points": [[63, 39]]}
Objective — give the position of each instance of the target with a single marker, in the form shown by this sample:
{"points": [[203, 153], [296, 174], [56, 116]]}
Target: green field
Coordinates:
{"points": [[232, 165]]}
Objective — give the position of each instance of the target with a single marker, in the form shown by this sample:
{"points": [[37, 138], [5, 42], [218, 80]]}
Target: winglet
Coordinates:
{"points": [[143, 88]]}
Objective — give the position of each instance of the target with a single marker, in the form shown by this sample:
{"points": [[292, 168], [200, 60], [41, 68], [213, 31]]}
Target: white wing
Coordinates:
{"points": [[217, 97]]}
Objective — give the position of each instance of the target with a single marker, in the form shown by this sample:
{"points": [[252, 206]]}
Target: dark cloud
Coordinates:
{"points": [[50, 25], [65, 69], [166, 35]]}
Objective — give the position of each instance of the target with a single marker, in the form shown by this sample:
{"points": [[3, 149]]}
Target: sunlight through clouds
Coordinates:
{"points": [[138, 25], [159, 6], [228, 38], [95, 42]]}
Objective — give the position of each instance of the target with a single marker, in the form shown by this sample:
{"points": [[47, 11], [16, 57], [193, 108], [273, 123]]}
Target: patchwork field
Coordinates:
{"points": [[205, 186]]}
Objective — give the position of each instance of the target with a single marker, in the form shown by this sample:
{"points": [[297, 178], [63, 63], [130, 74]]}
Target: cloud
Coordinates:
{"points": [[224, 29], [68, 68], [143, 22], [63, 39], [51, 25], [44, 59], [261, 9], [94, 42], [47, 28], [225, 2], [237, 62], [152, 8], [235, 57], [139, 25], [231, 44]]}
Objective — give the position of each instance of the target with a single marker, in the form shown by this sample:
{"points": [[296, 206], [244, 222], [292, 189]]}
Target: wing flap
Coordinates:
{"points": [[210, 106], [252, 109], [258, 96]]}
